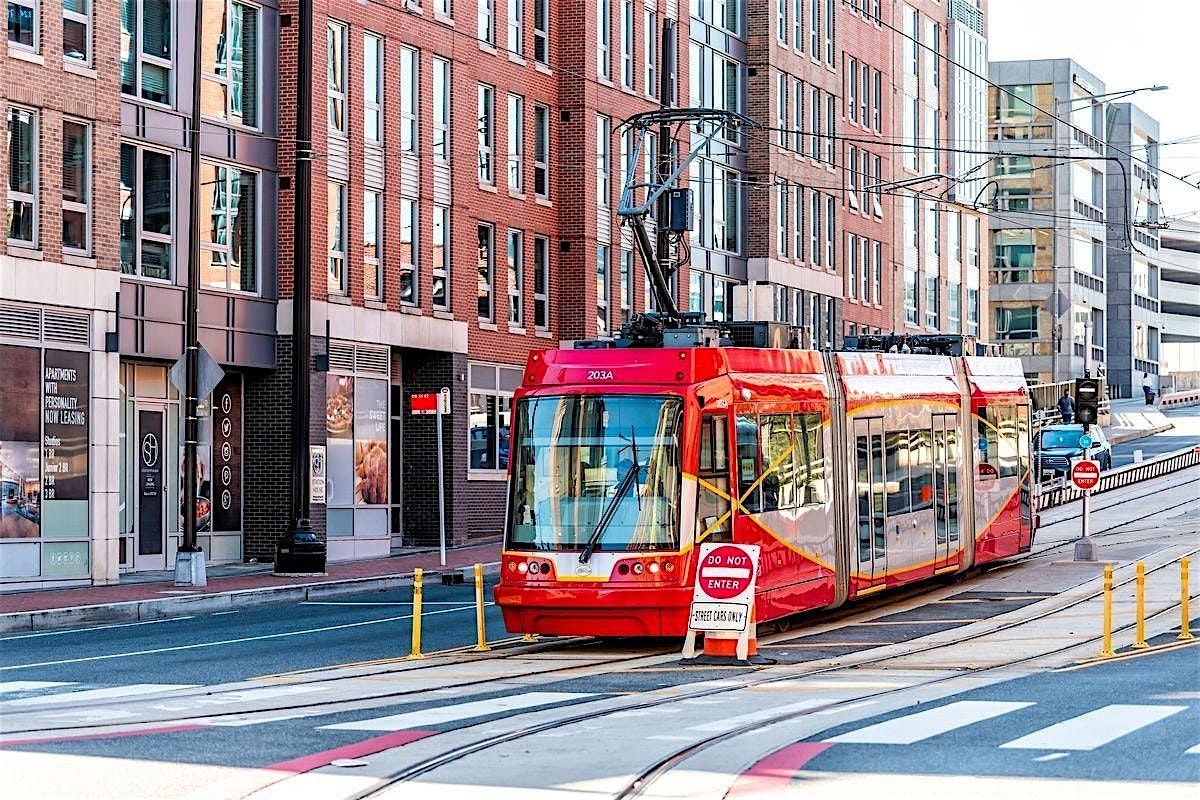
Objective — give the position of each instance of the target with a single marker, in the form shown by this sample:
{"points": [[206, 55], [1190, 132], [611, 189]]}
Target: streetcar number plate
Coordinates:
{"points": [[600, 375], [719, 616]]}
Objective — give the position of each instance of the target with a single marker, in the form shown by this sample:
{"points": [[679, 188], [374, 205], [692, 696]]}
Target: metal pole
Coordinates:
{"points": [[1107, 650], [416, 615], [666, 99], [441, 482], [480, 623], [1184, 592], [1140, 641]]}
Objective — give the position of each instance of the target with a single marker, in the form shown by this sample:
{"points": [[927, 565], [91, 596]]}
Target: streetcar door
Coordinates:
{"points": [[713, 520], [870, 489], [945, 484], [1025, 485]]}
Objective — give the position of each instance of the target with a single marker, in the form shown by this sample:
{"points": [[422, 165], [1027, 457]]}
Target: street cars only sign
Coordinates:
{"points": [[724, 590]]}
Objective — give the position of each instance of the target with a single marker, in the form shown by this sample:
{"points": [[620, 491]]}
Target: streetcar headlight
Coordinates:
{"points": [[653, 568], [522, 568]]}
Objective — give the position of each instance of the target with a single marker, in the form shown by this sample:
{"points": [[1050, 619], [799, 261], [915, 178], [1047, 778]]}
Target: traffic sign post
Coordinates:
{"points": [[437, 404], [1085, 476], [723, 598]]}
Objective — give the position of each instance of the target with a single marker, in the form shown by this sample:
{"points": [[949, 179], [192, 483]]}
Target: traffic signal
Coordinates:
{"points": [[1087, 401]]}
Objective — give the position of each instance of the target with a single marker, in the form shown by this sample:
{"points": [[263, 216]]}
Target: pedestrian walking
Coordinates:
{"points": [[1066, 406], [1148, 388]]}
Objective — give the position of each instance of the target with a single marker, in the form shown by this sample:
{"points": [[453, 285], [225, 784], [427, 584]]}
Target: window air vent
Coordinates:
{"points": [[371, 361], [341, 357], [66, 328], [20, 323]]}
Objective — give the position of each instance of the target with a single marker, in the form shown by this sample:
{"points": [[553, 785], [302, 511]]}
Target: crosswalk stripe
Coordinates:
{"points": [[925, 724], [1195, 751], [12, 687], [457, 712], [729, 723], [99, 694], [1093, 729]]}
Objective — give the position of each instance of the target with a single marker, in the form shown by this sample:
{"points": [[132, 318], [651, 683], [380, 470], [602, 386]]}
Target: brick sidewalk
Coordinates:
{"points": [[42, 600]]}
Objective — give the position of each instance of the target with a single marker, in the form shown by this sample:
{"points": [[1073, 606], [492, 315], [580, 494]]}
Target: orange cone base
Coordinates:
{"points": [[723, 652], [727, 647]]}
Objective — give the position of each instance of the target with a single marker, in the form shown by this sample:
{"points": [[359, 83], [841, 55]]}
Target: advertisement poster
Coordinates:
{"points": [[370, 445], [227, 454], [20, 473], [339, 437], [65, 425]]}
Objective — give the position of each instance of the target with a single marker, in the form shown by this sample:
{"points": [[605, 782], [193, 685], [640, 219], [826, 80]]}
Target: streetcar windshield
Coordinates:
{"points": [[573, 456]]}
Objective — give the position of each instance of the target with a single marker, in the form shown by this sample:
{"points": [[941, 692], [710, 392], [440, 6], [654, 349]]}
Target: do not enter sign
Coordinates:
{"points": [[1085, 474], [724, 589]]}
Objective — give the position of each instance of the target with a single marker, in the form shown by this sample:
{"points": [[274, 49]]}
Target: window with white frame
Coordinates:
{"points": [[931, 301], [830, 230], [541, 151], [22, 177], [77, 30], [781, 108], [973, 311], [864, 96], [814, 110], [830, 23], [489, 412], [852, 90], [410, 85], [877, 271], [373, 86], [603, 161], [626, 283], [516, 27], [487, 21], [337, 279], [852, 265], [443, 8], [852, 177], [877, 181], [146, 211], [516, 277], [541, 31], [864, 265], [864, 181], [782, 204], [814, 24], [409, 255], [910, 296], [603, 39], [933, 228], [650, 32], [486, 273], [486, 115], [726, 209], [830, 122], [229, 66], [516, 143], [23, 24], [627, 43], [602, 319], [541, 283], [814, 228], [146, 50], [953, 307], [76, 186], [337, 76], [781, 20], [912, 34], [229, 228], [440, 241], [798, 24], [441, 111], [798, 225], [372, 252], [798, 116], [876, 99]]}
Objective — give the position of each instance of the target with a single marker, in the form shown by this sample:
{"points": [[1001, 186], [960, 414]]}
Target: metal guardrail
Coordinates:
{"points": [[1044, 397], [1060, 494]]}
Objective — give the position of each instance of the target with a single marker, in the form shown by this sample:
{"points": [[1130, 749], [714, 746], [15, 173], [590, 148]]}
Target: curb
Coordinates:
{"points": [[1122, 438], [235, 599]]}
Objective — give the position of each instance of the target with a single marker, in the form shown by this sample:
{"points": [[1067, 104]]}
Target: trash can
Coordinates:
{"points": [[299, 553]]}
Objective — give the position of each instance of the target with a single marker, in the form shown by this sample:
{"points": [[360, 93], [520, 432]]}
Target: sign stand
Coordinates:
{"points": [[437, 404], [723, 604], [1085, 475]]}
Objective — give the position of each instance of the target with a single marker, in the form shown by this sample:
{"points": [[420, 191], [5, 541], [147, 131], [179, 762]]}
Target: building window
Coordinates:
{"points": [[781, 108], [797, 24], [603, 39], [489, 413], [409, 86], [651, 44], [336, 219], [487, 21], [852, 178], [516, 277], [409, 255], [23, 24], [373, 86], [912, 33], [516, 143], [877, 270], [954, 312], [910, 296], [933, 228], [865, 181], [516, 27], [830, 232], [22, 177], [781, 220], [603, 159], [798, 117], [864, 96], [372, 254], [146, 49], [852, 91], [695, 291], [541, 31], [814, 228], [541, 283], [337, 76], [76, 186], [726, 209], [230, 63], [441, 111], [541, 152], [876, 100], [931, 301], [602, 290], [487, 128], [865, 265], [146, 205], [486, 278], [229, 236], [814, 110], [830, 124], [442, 8], [973, 312], [626, 286], [77, 30], [830, 52], [798, 225], [627, 44], [441, 257], [877, 181], [852, 264], [814, 23]]}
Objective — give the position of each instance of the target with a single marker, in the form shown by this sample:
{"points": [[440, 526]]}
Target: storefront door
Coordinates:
{"points": [[150, 516]]}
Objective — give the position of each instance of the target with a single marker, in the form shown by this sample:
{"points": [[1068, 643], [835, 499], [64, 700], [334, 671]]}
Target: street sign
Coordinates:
{"points": [[424, 403], [210, 374], [986, 476], [1085, 441], [317, 474], [1085, 474], [724, 589]]}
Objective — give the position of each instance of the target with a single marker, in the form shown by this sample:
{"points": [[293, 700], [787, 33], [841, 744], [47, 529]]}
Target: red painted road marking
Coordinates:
{"points": [[776, 770], [111, 735], [366, 747]]}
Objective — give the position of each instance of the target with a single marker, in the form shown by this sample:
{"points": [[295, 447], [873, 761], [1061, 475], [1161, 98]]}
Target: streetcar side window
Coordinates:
{"points": [[778, 462], [998, 425], [713, 521], [714, 445], [921, 452], [896, 467], [747, 455], [810, 444]]}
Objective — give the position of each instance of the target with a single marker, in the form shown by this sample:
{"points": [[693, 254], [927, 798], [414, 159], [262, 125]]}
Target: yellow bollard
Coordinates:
{"points": [[529, 637], [1107, 650], [416, 615], [480, 626], [1140, 642], [1184, 632]]}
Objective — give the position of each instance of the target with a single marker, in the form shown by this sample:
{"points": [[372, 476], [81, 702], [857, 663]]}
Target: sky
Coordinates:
{"points": [[1127, 45]]}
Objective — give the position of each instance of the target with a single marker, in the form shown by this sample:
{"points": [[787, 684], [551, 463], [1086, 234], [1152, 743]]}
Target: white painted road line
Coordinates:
{"points": [[1093, 729], [99, 694], [102, 627], [729, 723], [1195, 751], [12, 687], [925, 724], [418, 720]]}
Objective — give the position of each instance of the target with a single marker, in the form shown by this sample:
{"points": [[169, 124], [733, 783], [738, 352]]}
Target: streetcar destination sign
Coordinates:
{"points": [[724, 590]]}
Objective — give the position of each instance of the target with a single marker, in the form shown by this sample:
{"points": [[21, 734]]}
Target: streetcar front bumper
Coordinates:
{"points": [[571, 609]]}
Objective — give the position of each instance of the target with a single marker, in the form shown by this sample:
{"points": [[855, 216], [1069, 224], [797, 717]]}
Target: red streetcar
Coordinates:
{"points": [[854, 471]]}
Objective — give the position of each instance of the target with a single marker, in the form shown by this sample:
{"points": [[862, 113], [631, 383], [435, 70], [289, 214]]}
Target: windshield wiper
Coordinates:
{"points": [[630, 478]]}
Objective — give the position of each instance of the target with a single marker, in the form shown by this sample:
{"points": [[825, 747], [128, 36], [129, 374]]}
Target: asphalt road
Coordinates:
{"points": [[1186, 434]]}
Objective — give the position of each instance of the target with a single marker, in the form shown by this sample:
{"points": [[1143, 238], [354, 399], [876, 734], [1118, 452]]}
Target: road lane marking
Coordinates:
{"points": [[366, 747], [241, 640], [101, 627], [458, 712], [1093, 729], [99, 694], [926, 724], [109, 735], [1052, 756], [1195, 751], [729, 723], [12, 687]]}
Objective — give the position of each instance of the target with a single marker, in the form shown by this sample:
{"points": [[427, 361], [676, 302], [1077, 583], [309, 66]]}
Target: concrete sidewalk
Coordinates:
{"points": [[1131, 419], [142, 600]]}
